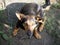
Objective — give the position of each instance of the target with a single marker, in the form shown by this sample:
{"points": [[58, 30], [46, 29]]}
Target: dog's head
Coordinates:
{"points": [[31, 21]]}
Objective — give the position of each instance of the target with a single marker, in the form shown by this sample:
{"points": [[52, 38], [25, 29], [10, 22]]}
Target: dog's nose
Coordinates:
{"points": [[29, 33]]}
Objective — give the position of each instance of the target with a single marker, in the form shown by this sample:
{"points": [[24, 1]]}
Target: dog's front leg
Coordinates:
{"points": [[41, 26], [36, 34], [16, 28], [15, 31]]}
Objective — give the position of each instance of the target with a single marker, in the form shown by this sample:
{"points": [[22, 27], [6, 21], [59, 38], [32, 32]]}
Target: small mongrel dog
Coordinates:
{"points": [[31, 19]]}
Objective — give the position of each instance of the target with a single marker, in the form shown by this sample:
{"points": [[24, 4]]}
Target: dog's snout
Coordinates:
{"points": [[29, 33]]}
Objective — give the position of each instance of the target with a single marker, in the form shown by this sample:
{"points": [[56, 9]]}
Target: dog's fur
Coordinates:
{"points": [[31, 19]]}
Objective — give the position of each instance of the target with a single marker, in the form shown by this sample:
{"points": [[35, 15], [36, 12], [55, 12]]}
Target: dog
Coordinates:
{"points": [[31, 19]]}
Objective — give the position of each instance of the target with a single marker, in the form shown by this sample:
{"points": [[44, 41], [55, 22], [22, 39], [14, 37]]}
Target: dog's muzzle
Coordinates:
{"points": [[30, 31]]}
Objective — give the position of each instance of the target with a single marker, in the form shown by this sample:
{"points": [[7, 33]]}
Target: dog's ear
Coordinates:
{"points": [[19, 15]]}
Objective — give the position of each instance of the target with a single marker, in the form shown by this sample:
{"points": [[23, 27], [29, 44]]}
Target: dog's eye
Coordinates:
{"points": [[25, 26], [39, 19], [25, 23]]}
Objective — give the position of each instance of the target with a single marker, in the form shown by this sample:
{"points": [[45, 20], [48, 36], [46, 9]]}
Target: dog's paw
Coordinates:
{"points": [[14, 32], [38, 36]]}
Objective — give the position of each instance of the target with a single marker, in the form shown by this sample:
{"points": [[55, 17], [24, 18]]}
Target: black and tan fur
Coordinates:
{"points": [[31, 19]]}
